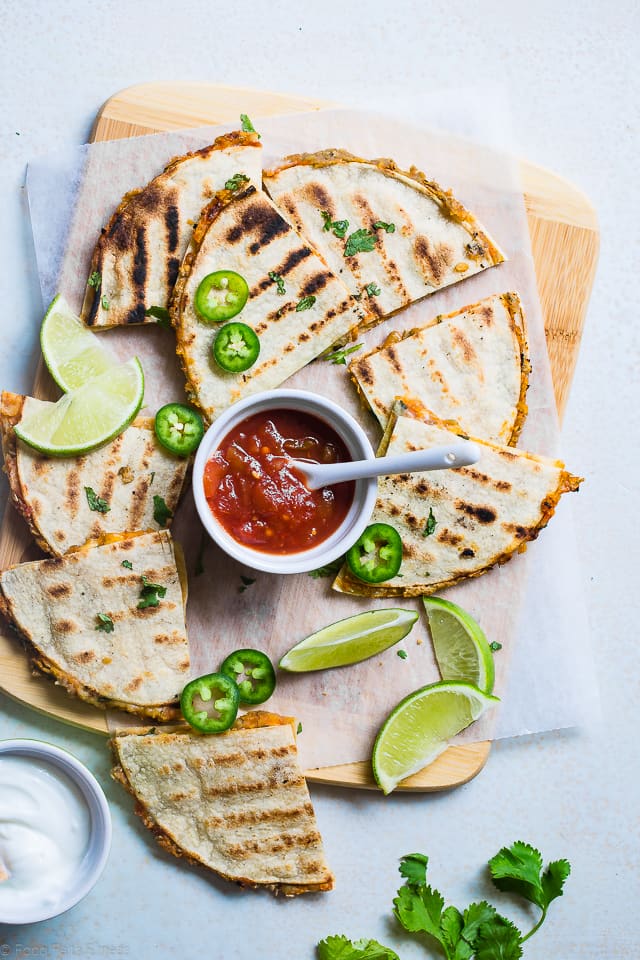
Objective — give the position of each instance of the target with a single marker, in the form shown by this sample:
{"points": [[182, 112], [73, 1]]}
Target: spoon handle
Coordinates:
{"points": [[446, 457]]}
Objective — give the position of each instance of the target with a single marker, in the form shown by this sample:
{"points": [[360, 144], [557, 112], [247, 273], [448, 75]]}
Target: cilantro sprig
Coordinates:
{"points": [[337, 227], [247, 126], [161, 512], [360, 241], [150, 594], [477, 933], [340, 356], [235, 182], [95, 502]]}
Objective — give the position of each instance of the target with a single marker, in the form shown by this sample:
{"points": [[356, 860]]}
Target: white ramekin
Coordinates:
{"points": [[364, 498], [99, 842]]}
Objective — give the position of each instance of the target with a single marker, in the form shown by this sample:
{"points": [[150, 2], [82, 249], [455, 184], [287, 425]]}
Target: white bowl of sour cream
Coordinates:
{"points": [[55, 831]]}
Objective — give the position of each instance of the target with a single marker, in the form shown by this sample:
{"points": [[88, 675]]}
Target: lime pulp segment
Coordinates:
{"points": [[73, 354], [350, 640], [460, 645]]}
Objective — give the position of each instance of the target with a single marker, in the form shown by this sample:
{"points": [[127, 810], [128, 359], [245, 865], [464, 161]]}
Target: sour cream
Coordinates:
{"points": [[44, 835]]}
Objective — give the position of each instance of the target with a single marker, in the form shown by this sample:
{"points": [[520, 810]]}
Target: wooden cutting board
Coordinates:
{"points": [[564, 240]]}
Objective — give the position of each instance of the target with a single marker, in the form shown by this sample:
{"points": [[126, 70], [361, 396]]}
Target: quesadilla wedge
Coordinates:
{"points": [[236, 802], [132, 476], [296, 306], [135, 262], [107, 622], [380, 228], [456, 524], [471, 366]]}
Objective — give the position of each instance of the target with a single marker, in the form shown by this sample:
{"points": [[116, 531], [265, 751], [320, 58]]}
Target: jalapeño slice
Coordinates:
{"points": [[210, 703], [236, 347], [377, 554], [253, 672], [220, 296], [179, 428]]}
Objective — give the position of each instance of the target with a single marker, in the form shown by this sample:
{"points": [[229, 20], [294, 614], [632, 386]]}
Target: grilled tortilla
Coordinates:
{"points": [[136, 260], [236, 802], [483, 514], [50, 492], [470, 366], [424, 238], [244, 232], [140, 663]]}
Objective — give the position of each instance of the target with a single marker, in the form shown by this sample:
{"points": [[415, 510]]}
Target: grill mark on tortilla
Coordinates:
{"points": [[317, 195], [260, 218], [72, 492], [106, 490], [172, 223], [238, 818], [468, 353], [149, 447], [518, 531], [173, 268], [41, 466], [256, 786], [432, 261], [84, 656], [389, 266], [64, 626], [278, 844], [288, 204], [58, 591], [503, 486], [136, 314], [467, 553], [164, 638], [364, 371], [316, 283], [133, 685], [450, 538], [140, 261], [482, 514], [138, 502], [395, 362]]}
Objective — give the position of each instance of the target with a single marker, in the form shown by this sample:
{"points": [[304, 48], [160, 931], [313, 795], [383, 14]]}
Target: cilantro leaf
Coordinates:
{"points": [[451, 926], [104, 303], [340, 948], [161, 512], [161, 314], [495, 645], [338, 227], [402, 654], [419, 910], [127, 564], [553, 879], [430, 525], [340, 356], [95, 280], [387, 227], [150, 594], [95, 502], [372, 290], [279, 282], [236, 181], [305, 304], [105, 623], [516, 869], [299, 727], [247, 126], [361, 241], [413, 867], [246, 582], [498, 939], [474, 916]]}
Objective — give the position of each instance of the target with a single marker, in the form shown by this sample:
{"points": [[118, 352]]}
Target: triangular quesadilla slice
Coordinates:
{"points": [[235, 802], [136, 260], [456, 524], [107, 622], [132, 483], [296, 306], [393, 236], [471, 366]]}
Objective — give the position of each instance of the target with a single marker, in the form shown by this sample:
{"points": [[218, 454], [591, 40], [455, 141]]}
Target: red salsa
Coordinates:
{"points": [[256, 496]]}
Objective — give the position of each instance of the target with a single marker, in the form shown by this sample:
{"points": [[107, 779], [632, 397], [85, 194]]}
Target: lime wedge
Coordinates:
{"points": [[350, 640], [89, 416], [73, 354], [461, 648], [419, 728]]}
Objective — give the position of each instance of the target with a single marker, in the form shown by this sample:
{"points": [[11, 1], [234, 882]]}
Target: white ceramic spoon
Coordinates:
{"points": [[450, 456]]}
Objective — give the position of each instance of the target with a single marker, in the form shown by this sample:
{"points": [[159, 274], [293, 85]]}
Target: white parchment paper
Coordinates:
{"points": [[532, 606]]}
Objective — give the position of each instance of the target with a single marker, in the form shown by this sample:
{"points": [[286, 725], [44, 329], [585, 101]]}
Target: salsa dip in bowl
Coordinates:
{"points": [[55, 831], [254, 504]]}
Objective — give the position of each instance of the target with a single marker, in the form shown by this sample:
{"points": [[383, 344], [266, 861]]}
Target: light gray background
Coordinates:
{"points": [[571, 73]]}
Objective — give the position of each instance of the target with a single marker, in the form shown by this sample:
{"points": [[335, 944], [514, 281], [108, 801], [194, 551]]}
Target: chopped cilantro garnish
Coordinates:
{"points": [[339, 227], [236, 181], [94, 280], [305, 304], [161, 512], [161, 314], [95, 502], [104, 303], [372, 290], [430, 525], [246, 582], [299, 728], [402, 654], [150, 594], [340, 356], [387, 227], [247, 126], [105, 623], [362, 241], [127, 564], [279, 282], [495, 645]]}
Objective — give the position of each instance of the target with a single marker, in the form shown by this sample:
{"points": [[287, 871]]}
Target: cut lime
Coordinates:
{"points": [[461, 648], [88, 416], [419, 728], [73, 354], [350, 640]]}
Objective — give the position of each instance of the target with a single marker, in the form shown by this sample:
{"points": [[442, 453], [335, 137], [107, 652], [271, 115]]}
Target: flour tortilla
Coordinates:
{"points": [[50, 492], [236, 802], [484, 514], [436, 241], [142, 665], [136, 260], [243, 231], [471, 366]]}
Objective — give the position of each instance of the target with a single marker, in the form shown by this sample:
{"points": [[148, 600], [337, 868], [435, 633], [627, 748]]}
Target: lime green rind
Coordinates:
{"points": [[350, 640], [464, 656], [419, 728]]}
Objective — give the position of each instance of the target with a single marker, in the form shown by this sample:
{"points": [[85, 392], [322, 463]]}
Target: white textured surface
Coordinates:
{"points": [[571, 71]]}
